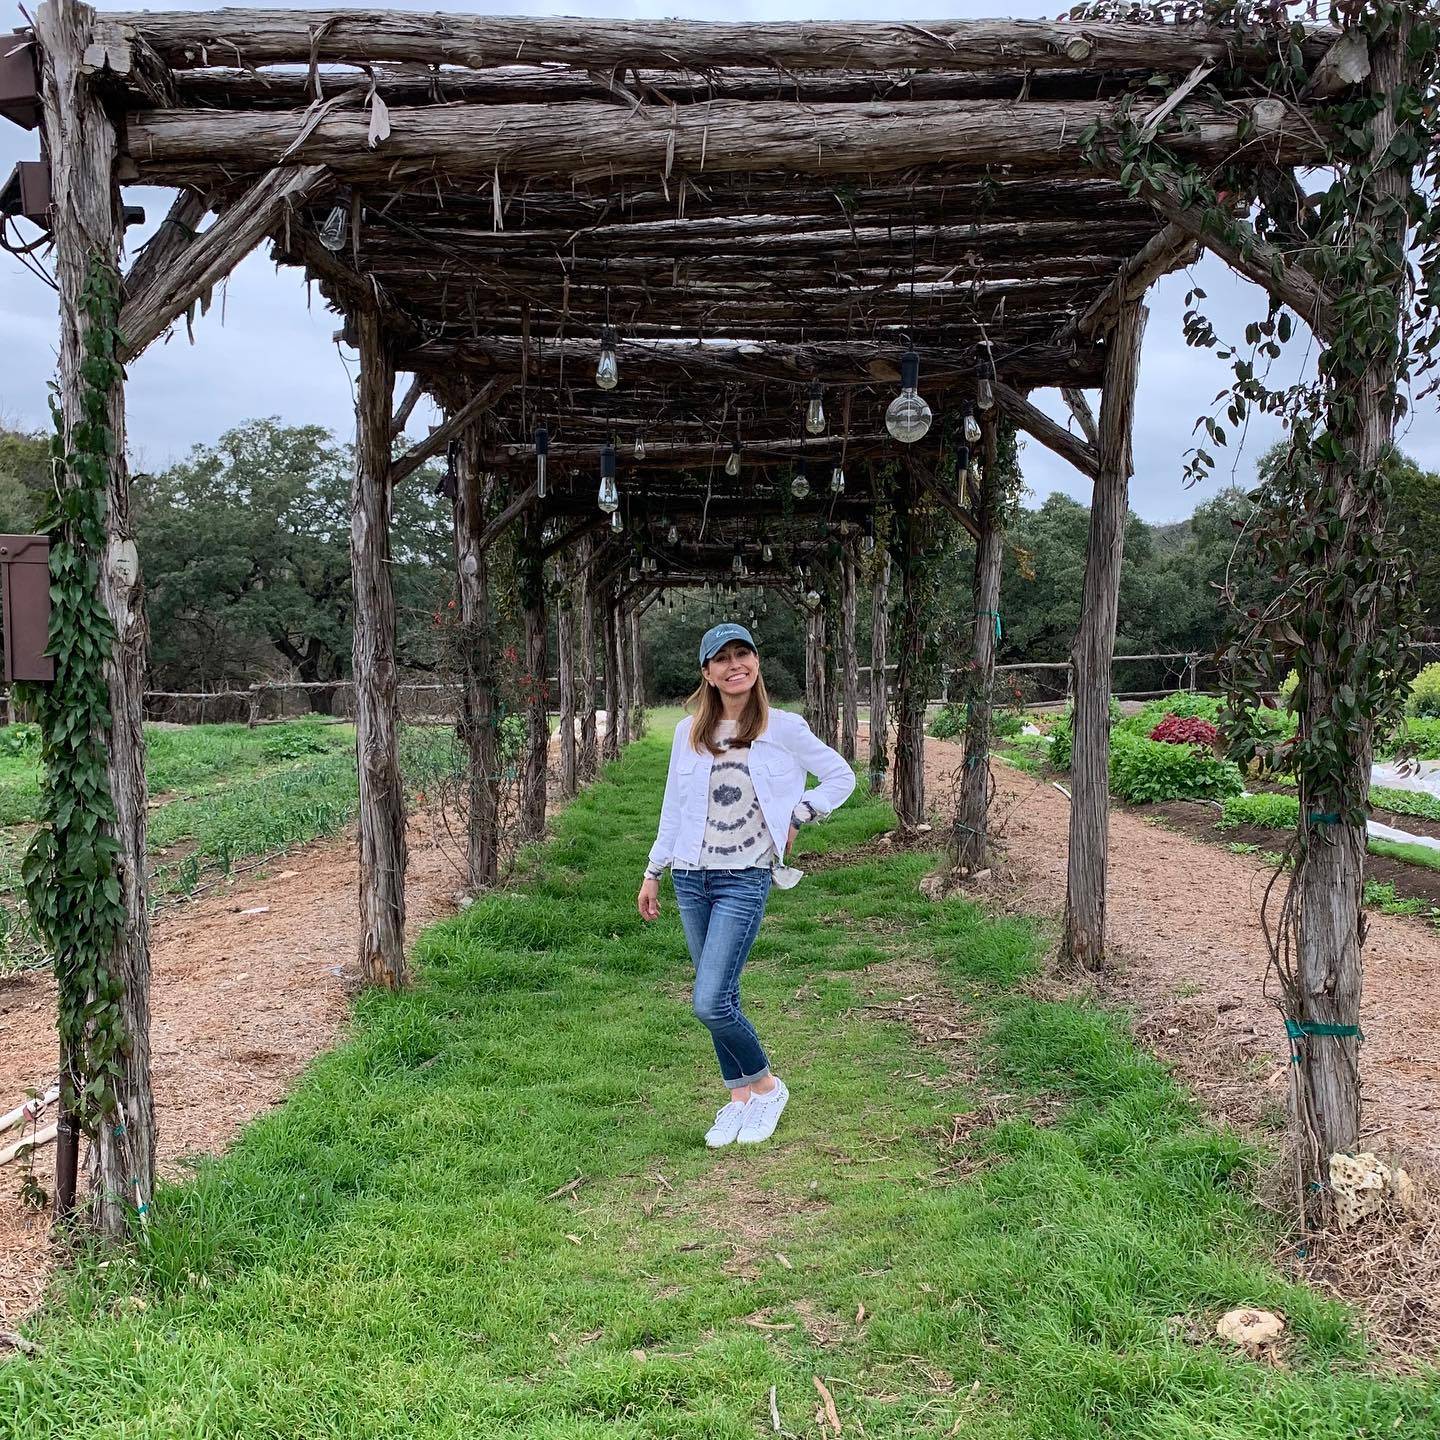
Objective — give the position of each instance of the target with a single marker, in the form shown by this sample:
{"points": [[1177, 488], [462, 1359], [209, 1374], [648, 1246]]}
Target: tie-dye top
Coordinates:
{"points": [[735, 832]]}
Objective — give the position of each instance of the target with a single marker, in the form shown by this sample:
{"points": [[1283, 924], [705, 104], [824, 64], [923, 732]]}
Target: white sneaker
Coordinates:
{"points": [[728, 1119], [762, 1114]]}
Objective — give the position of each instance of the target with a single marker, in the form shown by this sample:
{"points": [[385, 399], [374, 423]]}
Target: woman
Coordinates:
{"points": [[733, 800]]}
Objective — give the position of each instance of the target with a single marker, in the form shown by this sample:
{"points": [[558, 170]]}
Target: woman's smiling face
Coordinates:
{"points": [[734, 670]]}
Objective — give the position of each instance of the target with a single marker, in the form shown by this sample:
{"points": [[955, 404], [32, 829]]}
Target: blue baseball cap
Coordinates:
{"points": [[717, 637]]}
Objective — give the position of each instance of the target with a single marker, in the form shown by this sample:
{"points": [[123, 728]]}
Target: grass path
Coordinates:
{"points": [[378, 1258]]}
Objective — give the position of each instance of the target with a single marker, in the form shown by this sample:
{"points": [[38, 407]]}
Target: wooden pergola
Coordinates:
{"points": [[749, 216]]}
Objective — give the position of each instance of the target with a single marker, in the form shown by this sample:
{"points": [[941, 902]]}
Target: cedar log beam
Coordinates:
{"points": [[1168, 249], [197, 268], [186, 39], [1048, 432], [453, 426], [589, 141]]}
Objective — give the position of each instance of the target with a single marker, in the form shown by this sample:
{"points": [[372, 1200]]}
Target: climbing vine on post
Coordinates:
{"points": [[70, 871], [1360, 262]]}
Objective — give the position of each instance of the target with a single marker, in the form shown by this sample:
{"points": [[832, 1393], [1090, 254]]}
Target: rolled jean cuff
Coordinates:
{"points": [[747, 1079]]}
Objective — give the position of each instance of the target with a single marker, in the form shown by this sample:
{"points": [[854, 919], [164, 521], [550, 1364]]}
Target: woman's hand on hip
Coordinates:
{"points": [[648, 902]]}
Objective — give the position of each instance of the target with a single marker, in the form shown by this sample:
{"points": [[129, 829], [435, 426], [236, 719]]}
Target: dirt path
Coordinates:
{"points": [[1184, 924], [241, 1004]]}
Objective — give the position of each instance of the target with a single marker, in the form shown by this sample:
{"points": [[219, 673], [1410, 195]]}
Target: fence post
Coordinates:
{"points": [[253, 719], [1190, 663]]}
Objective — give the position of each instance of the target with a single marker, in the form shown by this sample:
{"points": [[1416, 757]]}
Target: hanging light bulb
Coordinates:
{"points": [[542, 449], [617, 521], [984, 374], [812, 599], [767, 554], [607, 372], [868, 543], [337, 222], [800, 485], [634, 574], [732, 462], [672, 535], [609, 500], [639, 446], [737, 565], [815, 410], [972, 425], [837, 480], [908, 417]]}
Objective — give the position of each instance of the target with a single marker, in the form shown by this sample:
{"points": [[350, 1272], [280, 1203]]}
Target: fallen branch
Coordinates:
{"points": [[29, 1110], [24, 1146]]}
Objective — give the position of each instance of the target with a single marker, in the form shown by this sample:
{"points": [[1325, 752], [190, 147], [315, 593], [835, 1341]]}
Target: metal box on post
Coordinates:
{"points": [[19, 80], [25, 596]]}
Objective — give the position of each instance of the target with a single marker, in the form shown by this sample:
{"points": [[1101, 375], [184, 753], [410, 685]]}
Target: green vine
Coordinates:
{"points": [[70, 871]]}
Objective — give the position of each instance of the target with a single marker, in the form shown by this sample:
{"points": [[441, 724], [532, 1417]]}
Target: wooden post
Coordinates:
{"points": [[879, 692], [535, 773], [1325, 987], [909, 775], [478, 713], [828, 632], [588, 759], [971, 810], [609, 628], [565, 673], [81, 145], [637, 677], [849, 663], [1083, 942], [815, 670], [382, 792]]}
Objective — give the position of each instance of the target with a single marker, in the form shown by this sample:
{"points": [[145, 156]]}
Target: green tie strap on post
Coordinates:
{"points": [[1301, 1029], [996, 614], [1325, 817]]}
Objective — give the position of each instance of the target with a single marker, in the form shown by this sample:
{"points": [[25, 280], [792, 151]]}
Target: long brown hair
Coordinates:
{"points": [[705, 705]]}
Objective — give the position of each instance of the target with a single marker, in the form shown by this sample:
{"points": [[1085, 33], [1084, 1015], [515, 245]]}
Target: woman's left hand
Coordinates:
{"points": [[790, 839]]}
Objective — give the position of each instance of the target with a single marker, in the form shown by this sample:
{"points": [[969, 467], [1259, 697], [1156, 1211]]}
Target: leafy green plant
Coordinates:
{"points": [[948, 722], [1268, 811], [20, 740], [1406, 802], [1417, 736], [1424, 699], [1146, 772]]}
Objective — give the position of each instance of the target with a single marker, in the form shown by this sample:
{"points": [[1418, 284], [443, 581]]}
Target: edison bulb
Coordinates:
{"points": [[908, 417]]}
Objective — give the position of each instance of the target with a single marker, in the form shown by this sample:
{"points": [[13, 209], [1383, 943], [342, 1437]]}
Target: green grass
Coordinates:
{"points": [[378, 1258], [1406, 802], [1421, 855], [227, 793]]}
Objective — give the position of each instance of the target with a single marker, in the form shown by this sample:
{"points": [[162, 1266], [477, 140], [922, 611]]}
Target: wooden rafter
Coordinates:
{"points": [[1035, 423]]}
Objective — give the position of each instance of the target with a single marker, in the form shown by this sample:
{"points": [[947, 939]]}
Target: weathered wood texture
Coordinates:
{"points": [[815, 671], [377, 712], [879, 686], [565, 622], [637, 675], [1083, 942], [609, 634], [453, 426], [479, 716], [534, 682], [81, 144], [908, 774], [587, 141], [1328, 957], [1084, 416], [174, 234], [587, 763], [1168, 249], [1037, 424], [195, 269], [186, 39], [848, 662], [972, 808]]}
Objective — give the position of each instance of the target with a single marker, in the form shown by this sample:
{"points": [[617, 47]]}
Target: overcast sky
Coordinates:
{"points": [[262, 351]]}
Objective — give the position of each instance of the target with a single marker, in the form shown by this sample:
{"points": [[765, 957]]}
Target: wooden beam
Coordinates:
{"points": [[406, 407], [1083, 942], [454, 425], [1234, 241], [1037, 424], [174, 234], [382, 791], [755, 362], [1168, 249], [947, 502], [497, 527], [187, 39], [208, 259], [81, 144], [591, 141], [1084, 415]]}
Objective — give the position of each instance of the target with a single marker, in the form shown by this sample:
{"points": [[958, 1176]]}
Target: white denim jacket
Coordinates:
{"points": [[780, 758]]}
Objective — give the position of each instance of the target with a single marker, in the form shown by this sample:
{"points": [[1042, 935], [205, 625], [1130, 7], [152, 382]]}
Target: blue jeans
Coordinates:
{"points": [[721, 911]]}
